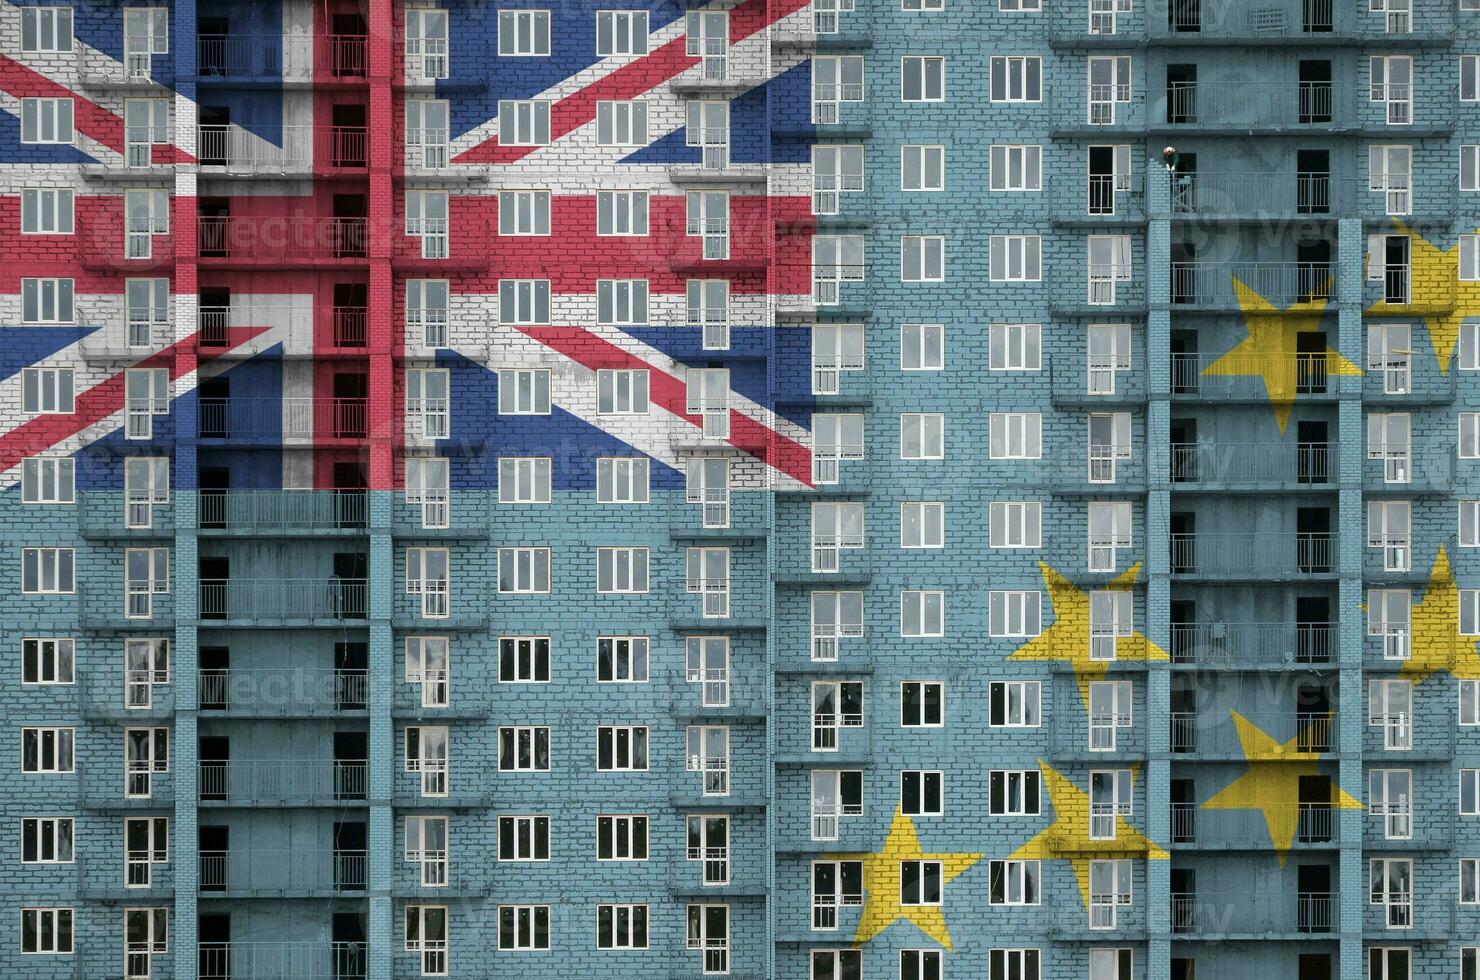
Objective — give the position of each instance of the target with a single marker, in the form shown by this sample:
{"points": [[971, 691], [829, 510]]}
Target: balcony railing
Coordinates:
{"points": [[285, 418], [281, 961], [294, 148], [282, 510], [1277, 19], [1241, 377], [282, 872], [283, 599], [1249, 194], [1235, 104], [1242, 913], [1253, 643], [1253, 463], [274, 240], [1209, 733], [1217, 828], [286, 691], [281, 781], [1279, 283], [1260, 555], [273, 56]]}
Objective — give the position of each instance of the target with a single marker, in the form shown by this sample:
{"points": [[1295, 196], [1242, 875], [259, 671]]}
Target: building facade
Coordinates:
{"points": [[821, 490]]}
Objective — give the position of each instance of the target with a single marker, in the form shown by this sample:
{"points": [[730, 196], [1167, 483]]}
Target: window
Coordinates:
{"points": [[622, 479], [1388, 529], [146, 573], [836, 79], [1015, 524], [1108, 261], [1469, 881], [709, 842], [922, 79], [837, 964], [46, 840], [428, 748], [835, 705], [1469, 702], [1015, 347], [1391, 83], [708, 218], [146, 393], [707, 664], [1115, 964], [1015, 258], [621, 748], [707, 37], [623, 124], [922, 964], [622, 838], [1013, 792], [836, 259], [835, 527], [524, 749], [426, 847], [622, 301], [1109, 888], [1109, 84], [523, 33], [144, 935], [922, 167], [1017, 167], [1109, 528], [1014, 704], [1110, 704], [924, 5], [145, 751], [426, 480], [834, 615], [1469, 956], [621, 392], [524, 212], [834, 439], [1469, 78], [707, 574], [1391, 886], [426, 43], [523, 123], [1469, 167], [621, 927], [524, 570], [523, 479], [1015, 435], [427, 130], [621, 32], [147, 311], [622, 659], [47, 480], [524, 838], [922, 347], [1016, 79], [836, 170], [146, 124], [523, 659], [709, 931], [922, 258], [47, 301], [836, 348], [707, 751], [922, 436], [835, 794], [46, 30], [429, 575], [1390, 173], [1469, 435], [47, 661], [919, 883], [427, 659], [1012, 964], [922, 704], [46, 571], [524, 391], [46, 211], [426, 311], [146, 842], [46, 930], [707, 394], [1469, 612], [922, 613], [146, 32], [922, 524], [1012, 882], [1110, 800], [621, 570], [921, 792], [1014, 613], [46, 121], [1469, 792], [427, 219], [1390, 796], [835, 885], [146, 214], [707, 128], [708, 303], [426, 935]]}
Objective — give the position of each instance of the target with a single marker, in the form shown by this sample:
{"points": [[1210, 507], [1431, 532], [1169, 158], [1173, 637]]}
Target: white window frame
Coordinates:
{"points": [[1022, 704], [622, 391], [46, 30], [524, 122], [926, 162], [1016, 168], [47, 211], [529, 567], [524, 479], [922, 78], [922, 258], [524, 391], [48, 480], [628, 658], [621, 571], [524, 213], [48, 300], [528, 661], [622, 479], [1015, 347], [621, 33], [922, 613], [47, 122], [524, 33], [622, 122], [1021, 79], [59, 579], [1015, 524], [53, 840], [1015, 258], [624, 836], [631, 758]]}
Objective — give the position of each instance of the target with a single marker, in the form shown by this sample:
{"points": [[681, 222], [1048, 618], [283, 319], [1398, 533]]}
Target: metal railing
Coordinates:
{"points": [[283, 691], [1238, 194], [282, 510], [1280, 283], [1261, 554], [281, 961], [282, 871], [1315, 824], [1248, 103], [256, 240], [1253, 463], [1241, 376], [295, 148], [283, 599], [1220, 913], [288, 418], [282, 780], [1207, 733], [1253, 643]]}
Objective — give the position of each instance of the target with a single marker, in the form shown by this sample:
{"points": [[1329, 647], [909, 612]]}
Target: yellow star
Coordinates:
{"points": [[1067, 640], [1270, 350], [1272, 783], [1435, 643], [1433, 278], [881, 899], [1068, 835]]}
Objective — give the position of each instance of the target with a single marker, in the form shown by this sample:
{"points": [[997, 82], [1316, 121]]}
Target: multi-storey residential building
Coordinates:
{"points": [[821, 490]]}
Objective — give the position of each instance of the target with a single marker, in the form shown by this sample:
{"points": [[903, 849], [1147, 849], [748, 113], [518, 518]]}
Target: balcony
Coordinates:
{"points": [[1211, 828], [1282, 284], [1269, 22], [1253, 466], [276, 58], [278, 242], [1409, 469], [295, 692], [1241, 105], [281, 961], [125, 695], [1228, 915], [1098, 198], [295, 150], [1089, 381], [269, 602], [1260, 195], [1239, 377], [1258, 556], [109, 514], [286, 512], [1253, 644], [274, 420], [1402, 380], [1214, 735], [123, 341], [242, 873], [110, 607], [104, 246], [280, 782]]}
